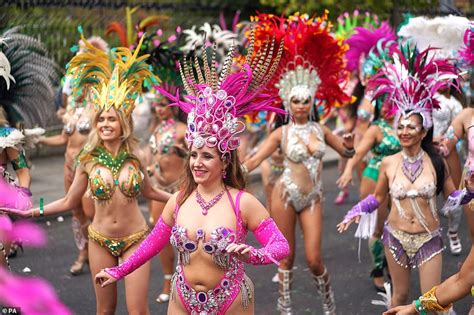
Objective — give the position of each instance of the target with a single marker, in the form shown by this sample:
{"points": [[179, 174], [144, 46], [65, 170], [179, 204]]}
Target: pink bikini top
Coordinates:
{"points": [[218, 241]]}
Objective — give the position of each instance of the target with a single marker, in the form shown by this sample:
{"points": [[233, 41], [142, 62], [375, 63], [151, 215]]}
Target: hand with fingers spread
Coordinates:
{"points": [[104, 279], [344, 225], [240, 251]]}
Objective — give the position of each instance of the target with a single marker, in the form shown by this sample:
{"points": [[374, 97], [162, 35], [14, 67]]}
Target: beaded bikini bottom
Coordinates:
{"points": [[215, 301]]}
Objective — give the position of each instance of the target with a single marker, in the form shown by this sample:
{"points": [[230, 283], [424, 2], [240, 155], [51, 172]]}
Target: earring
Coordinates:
{"points": [[224, 173]]}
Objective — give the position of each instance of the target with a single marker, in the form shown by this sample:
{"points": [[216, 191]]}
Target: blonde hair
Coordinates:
{"points": [[128, 139]]}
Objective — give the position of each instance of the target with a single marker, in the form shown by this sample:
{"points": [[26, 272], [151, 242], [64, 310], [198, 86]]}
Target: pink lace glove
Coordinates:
{"points": [[275, 246], [151, 245]]}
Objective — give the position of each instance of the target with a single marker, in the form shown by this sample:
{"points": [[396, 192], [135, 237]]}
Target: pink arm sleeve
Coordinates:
{"points": [[152, 245], [275, 246]]}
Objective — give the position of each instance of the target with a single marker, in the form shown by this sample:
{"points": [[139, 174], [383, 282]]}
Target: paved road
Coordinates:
{"points": [[353, 289]]}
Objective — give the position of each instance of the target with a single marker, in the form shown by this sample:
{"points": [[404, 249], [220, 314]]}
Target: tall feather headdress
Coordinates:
{"points": [[411, 81], [30, 76], [346, 23], [312, 63], [115, 79], [215, 102]]}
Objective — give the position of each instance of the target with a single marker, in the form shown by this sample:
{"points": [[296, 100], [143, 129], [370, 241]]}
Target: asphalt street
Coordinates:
{"points": [[350, 277]]}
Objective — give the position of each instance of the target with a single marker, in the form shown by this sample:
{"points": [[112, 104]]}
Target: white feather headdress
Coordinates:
{"points": [[445, 33]]}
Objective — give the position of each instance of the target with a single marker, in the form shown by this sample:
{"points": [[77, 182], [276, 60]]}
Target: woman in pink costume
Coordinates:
{"points": [[208, 219]]}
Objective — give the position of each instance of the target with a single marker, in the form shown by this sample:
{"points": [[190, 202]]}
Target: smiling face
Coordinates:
{"points": [[108, 125], [300, 108], [410, 130], [206, 165]]}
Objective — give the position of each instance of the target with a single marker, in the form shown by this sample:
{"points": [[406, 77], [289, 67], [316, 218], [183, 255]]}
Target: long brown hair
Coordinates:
{"points": [[234, 177]]}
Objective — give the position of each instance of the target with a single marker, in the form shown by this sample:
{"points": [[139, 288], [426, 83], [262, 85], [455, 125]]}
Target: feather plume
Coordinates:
{"points": [[34, 76]]}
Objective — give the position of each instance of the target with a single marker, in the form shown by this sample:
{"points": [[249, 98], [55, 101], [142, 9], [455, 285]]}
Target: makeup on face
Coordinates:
{"points": [[410, 126], [205, 163]]}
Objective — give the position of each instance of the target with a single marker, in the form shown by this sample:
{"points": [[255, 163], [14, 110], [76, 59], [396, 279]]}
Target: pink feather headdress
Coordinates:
{"points": [[411, 82], [215, 102], [364, 40], [467, 52]]}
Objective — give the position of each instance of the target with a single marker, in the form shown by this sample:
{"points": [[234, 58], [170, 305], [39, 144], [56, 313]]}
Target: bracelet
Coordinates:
{"points": [[430, 302], [349, 152], [41, 208], [419, 308]]}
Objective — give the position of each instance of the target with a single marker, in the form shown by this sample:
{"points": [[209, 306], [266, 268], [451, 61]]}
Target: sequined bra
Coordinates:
{"points": [[167, 138], [387, 146], [426, 191], [297, 138], [218, 241], [101, 187], [82, 124]]}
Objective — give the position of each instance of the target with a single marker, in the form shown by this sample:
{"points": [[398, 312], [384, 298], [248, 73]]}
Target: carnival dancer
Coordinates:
{"points": [[309, 73], [211, 241], [381, 140], [361, 43], [77, 121], [347, 25], [166, 168], [411, 234], [446, 34], [26, 98], [110, 170]]}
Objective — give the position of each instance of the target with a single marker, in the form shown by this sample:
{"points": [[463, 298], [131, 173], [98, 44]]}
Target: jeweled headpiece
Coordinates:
{"points": [[115, 79], [411, 82], [312, 64], [215, 103]]}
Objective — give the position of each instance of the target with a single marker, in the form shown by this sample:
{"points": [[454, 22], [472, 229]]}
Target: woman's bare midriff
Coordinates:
{"points": [[118, 217], [412, 225], [170, 166]]}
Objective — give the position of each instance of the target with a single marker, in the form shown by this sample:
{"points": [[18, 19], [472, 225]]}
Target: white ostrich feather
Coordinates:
{"points": [[446, 33]]}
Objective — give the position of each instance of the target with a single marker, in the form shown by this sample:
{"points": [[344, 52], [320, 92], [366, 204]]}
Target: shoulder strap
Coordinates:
{"points": [[283, 137], [235, 205]]}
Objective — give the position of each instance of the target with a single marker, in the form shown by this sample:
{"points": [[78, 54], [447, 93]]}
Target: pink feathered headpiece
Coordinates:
{"points": [[364, 40], [467, 53], [215, 102], [411, 82]]}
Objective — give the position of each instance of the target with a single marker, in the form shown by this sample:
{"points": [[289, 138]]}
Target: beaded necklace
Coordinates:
{"points": [[105, 158]]}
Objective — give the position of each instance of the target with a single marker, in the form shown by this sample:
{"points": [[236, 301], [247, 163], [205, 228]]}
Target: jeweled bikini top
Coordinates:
{"points": [[389, 144], [426, 190], [167, 132], [78, 121], [218, 241], [297, 138], [109, 172]]}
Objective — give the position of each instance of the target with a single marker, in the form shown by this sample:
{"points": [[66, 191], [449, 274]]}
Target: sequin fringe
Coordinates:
{"points": [[426, 251]]}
